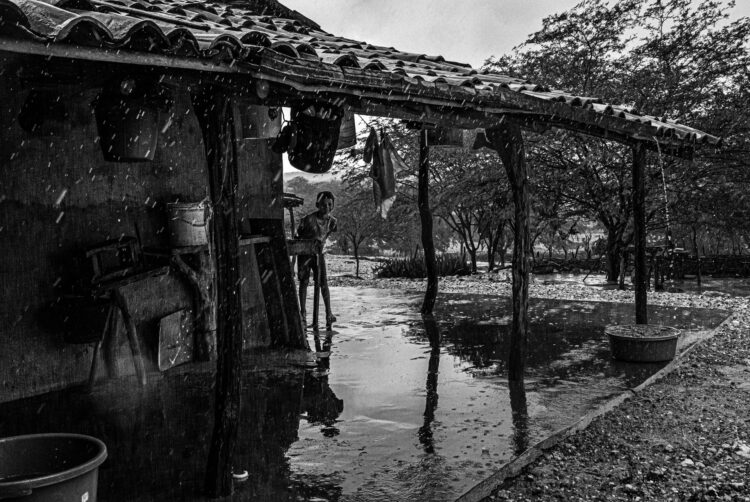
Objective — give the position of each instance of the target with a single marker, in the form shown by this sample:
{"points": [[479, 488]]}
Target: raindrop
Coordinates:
{"points": [[61, 197], [59, 217], [167, 125]]}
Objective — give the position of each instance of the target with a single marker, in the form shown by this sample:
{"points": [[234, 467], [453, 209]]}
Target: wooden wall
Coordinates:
{"points": [[44, 234]]}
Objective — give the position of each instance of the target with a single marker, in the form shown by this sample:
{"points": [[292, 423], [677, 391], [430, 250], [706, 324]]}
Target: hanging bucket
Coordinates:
{"points": [[348, 132], [188, 223], [317, 126], [48, 467]]}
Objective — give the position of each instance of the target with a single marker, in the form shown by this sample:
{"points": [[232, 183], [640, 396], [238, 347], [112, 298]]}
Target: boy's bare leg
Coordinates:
{"points": [[302, 300], [330, 318], [316, 304]]}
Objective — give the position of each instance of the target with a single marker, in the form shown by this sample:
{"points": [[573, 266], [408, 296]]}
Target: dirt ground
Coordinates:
{"points": [[686, 437]]}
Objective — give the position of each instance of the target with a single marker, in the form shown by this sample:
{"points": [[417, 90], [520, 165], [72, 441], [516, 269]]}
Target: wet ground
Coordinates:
{"points": [[731, 286], [394, 409]]}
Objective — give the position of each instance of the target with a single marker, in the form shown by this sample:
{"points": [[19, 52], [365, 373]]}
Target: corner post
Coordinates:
{"points": [[507, 140], [639, 233], [425, 216], [216, 116]]}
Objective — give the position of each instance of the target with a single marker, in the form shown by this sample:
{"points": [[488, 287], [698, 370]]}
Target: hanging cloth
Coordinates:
{"points": [[386, 162]]}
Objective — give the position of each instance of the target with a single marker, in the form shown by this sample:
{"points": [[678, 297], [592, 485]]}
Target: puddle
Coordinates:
{"points": [[393, 410]]}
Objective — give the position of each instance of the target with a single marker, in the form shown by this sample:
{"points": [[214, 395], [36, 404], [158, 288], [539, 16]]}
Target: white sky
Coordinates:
{"points": [[467, 31]]}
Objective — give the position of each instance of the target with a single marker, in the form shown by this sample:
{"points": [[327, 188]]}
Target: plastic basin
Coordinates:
{"points": [[50, 467], [642, 343]]}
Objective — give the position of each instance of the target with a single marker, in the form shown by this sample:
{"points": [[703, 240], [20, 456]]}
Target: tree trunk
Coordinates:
{"points": [[473, 258], [639, 235], [490, 258], [508, 141], [519, 415], [613, 255], [425, 216], [215, 112], [356, 259], [697, 257]]}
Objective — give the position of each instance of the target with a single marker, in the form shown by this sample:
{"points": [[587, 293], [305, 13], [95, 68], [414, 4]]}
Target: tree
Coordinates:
{"points": [[675, 59], [472, 197], [357, 220]]}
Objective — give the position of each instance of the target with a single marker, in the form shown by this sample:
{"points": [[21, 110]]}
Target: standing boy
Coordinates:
{"points": [[317, 226]]}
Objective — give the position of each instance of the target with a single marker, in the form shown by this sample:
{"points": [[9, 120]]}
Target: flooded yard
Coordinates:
{"points": [[390, 408]]}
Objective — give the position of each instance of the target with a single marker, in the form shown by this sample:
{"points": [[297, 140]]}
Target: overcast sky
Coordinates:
{"points": [[467, 31]]}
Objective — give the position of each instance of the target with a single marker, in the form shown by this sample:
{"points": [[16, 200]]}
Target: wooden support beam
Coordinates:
{"points": [[639, 233], [216, 115], [425, 216], [507, 140], [667, 146]]}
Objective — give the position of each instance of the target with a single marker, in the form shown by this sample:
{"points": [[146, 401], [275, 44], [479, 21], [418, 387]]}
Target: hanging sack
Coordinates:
{"points": [[317, 126]]}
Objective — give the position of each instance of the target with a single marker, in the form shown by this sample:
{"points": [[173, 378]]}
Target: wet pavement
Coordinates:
{"points": [[394, 409]]}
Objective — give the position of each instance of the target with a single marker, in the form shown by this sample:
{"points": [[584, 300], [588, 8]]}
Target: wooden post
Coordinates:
{"points": [[508, 141], [216, 113], [425, 216], [697, 256], [132, 332], [289, 303], [202, 280], [639, 237], [294, 230]]}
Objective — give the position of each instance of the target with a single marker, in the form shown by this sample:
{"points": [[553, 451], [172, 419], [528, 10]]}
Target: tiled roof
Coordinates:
{"points": [[297, 50]]}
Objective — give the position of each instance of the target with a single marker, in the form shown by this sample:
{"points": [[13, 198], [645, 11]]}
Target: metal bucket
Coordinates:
{"points": [[50, 467], [188, 223]]}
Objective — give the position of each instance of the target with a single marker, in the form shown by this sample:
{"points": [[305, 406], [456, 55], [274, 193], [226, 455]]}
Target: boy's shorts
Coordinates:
{"points": [[309, 263]]}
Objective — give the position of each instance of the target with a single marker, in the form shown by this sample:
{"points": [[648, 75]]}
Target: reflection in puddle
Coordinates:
{"points": [[389, 407]]}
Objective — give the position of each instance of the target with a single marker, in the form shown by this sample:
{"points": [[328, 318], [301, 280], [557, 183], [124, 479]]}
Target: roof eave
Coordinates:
{"points": [[395, 90]]}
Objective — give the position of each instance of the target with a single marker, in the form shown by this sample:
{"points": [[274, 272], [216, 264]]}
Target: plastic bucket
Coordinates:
{"points": [[188, 223], [654, 343], [50, 467]]}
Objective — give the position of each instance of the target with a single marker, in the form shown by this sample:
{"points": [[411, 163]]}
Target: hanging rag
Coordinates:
{"points": [[386, 162]]}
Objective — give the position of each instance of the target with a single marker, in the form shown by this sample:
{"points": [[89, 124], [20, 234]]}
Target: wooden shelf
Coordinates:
{"points": [[101, 287], [246, 240]]}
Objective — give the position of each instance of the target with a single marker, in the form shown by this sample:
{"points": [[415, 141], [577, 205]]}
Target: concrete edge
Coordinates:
{"points": [[514, 467]]}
